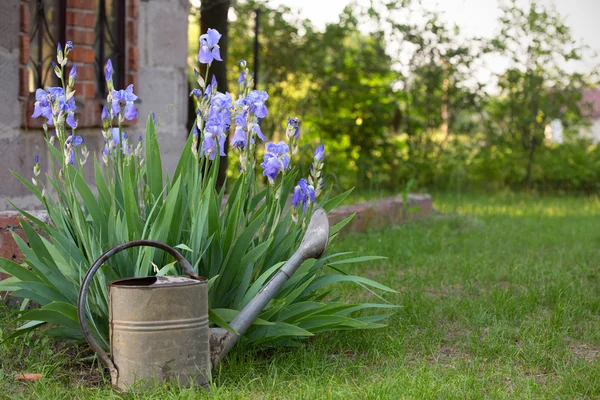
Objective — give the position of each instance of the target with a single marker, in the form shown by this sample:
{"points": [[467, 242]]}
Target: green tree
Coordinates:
{"points": [[537, 87]]}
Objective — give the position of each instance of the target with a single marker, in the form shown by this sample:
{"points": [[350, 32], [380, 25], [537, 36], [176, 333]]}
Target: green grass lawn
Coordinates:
{"points": [[500, 298]]}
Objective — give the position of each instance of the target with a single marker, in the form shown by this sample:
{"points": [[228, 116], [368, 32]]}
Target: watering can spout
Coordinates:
{"points": [[313, 245]]}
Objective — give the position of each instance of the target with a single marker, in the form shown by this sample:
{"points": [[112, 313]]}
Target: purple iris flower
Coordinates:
{"points": [[211, 87], [195, 130], [108, 72], [219, 119], [277, 149], [209, 48], [212, 135], [42, 106], [37, 160], [57, 95], [73, 73], [123, 99], [256, 129], [68, 47], [197, 93], [292, 128], [44, 101], [241, 78], [303, 192], [115, 142], [153, 118], [105, 114], [59, 48], [73, 141], [256, 102], [240, 138], [276, 159], [69, 107], [221, 100], [320, 153]]}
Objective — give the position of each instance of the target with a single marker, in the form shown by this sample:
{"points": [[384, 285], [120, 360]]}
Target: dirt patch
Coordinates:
{"points": [[448, 290], [586, 352]]}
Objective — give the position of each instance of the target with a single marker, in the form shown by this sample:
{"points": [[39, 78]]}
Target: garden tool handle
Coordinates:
{"points": [[87, 280]]}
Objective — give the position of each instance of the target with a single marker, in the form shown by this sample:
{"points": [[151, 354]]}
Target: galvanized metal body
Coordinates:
{"points": [[159, 331]]}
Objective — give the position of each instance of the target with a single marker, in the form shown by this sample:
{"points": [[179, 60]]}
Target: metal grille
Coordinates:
{"points": [[47, 29], [110, 42]]}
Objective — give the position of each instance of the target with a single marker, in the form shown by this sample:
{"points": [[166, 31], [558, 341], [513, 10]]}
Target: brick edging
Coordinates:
{"points": [[377, 213], [382, 212], [9, 222]]}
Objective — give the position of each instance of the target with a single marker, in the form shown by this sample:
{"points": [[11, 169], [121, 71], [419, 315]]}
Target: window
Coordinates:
{"points": [[99, 29], [110, 42], [47, 29]]}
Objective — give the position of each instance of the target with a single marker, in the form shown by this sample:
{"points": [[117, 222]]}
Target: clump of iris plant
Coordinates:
{"points": [[236, 243], [56, 106]]}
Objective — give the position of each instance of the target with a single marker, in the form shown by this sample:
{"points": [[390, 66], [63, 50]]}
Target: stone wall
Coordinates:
{"points": [[156, 60]]}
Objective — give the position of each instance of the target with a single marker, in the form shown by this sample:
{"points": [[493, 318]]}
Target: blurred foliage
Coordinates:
{"points": [[390, 89]]}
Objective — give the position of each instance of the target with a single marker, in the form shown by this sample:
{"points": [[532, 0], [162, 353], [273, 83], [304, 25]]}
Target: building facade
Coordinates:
{"points": [[147, 43]]}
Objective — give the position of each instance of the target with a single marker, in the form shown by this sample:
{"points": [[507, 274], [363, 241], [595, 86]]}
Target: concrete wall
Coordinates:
{"points": [[162, 88]]}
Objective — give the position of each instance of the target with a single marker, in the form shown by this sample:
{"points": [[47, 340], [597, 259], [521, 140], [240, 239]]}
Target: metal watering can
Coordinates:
{"points": [[159, 324]]}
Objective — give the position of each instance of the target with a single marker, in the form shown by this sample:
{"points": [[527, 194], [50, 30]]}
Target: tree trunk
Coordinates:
{"points": [[213, 14], [532, 147]]}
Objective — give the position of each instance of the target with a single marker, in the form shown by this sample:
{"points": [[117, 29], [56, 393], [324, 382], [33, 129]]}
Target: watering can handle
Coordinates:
{"points": [[87, 280]]}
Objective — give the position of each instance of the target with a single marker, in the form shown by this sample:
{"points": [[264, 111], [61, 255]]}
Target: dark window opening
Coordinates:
{"points": [[110, 43], [47, 30]]}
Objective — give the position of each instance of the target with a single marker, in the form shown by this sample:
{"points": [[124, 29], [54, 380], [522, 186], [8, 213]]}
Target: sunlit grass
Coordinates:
{"points": [[500, 298]]}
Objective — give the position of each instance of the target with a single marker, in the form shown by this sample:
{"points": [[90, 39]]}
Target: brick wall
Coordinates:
{"points": [[81, 19], [155, 62]]}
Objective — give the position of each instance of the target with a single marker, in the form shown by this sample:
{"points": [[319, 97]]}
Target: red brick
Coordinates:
{"points": [[71, 18], [23, 49], [8, 247], [134, 8], [92, 112], [79, 18], [23, 81], [82, 4], [83, 54], [89, 56], [78, 89], [25, 18], [78, 54], [90, 37], [28, 105], [132, 32], [133, 58], [9, 222], [86, 72], [132, 79], [81, 36], [89, 90], [89, 20]]}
